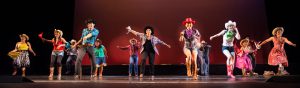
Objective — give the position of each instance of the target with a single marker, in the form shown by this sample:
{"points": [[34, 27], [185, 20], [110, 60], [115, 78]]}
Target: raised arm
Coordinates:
{"points": [[134, 32], [217, 35], [43, 39], [237, 35], [289, 42]]}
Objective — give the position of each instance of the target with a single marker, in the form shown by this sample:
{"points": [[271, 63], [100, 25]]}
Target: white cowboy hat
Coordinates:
{"points": [[230, 23]]}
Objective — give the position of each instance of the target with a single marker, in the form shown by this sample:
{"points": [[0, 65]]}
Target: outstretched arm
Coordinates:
{"points": [[134, 32], [289, 42], [266, 41], [123, 48], [162, 42], [217, 35]]}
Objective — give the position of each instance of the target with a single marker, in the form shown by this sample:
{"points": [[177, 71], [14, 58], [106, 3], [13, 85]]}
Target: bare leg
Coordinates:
{"points": [[194, 63], [229, 62], [188, 58]]}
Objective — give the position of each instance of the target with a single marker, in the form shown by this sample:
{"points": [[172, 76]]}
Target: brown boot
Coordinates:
{"points": [[51, 73], [188, 69], [23, 71], [59, 73]]}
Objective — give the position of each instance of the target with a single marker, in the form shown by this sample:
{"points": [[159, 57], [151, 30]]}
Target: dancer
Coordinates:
{"points": [[229, 34], [87, 41], [203, 58], [148, 48], [21, 55], [101, 55], [243, 60], [277, 55], [133, 59], [72, 55], [191, 37], [57, 53]]}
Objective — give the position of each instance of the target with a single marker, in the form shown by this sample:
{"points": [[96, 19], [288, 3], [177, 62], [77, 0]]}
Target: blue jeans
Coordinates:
{"points": [[133, 62]]}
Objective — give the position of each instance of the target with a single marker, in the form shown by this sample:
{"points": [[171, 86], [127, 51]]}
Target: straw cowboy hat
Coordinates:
{"points": [[277, 29], [244, 40], [188, 20], [24, 35], [59, 31], [229, 23]]}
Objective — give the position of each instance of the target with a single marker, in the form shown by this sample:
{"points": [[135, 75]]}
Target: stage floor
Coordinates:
{"points": [[216, 81]]}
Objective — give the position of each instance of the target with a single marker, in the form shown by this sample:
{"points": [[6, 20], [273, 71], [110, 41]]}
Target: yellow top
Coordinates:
{"points": [[22, 46]]}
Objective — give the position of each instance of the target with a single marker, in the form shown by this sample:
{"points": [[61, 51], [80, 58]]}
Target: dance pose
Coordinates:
{"points": [[203, 58], [277, 55], [148, 48], [133, 59], [101, 55], [191, 38], [21, 55], [72, 55], [87, 41], [57, 53], [243, 60], [229, 34]]}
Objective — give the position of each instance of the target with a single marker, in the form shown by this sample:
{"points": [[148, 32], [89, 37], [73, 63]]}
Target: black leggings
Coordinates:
{"points": [[58, 60], [151, 56]]}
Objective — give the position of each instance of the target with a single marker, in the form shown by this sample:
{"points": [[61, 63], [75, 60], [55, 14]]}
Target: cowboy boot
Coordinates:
{"points": [[23, 71], [59, 73], [188, 69], [229, 71], [51, 73]]}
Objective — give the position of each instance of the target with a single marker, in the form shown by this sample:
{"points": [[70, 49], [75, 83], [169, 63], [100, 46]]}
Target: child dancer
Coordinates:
{"points": [[277, 55], [57, 53], [72, 55], [243, 60], [229, 34], [133, 59], [22, 58], [101, 55]]}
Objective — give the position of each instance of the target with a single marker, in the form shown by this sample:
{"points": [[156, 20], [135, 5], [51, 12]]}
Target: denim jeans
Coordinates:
{"points": [[133, 63]]}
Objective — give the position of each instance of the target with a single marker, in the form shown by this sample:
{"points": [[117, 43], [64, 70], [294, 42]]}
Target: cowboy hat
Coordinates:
{"points": [[188, 20], [24, 35], [277, 29], [229, 23]]}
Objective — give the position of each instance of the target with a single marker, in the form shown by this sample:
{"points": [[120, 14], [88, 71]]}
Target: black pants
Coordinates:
{"points": [[81, 53], [252, 57], [151, 56], [71, 59]]}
